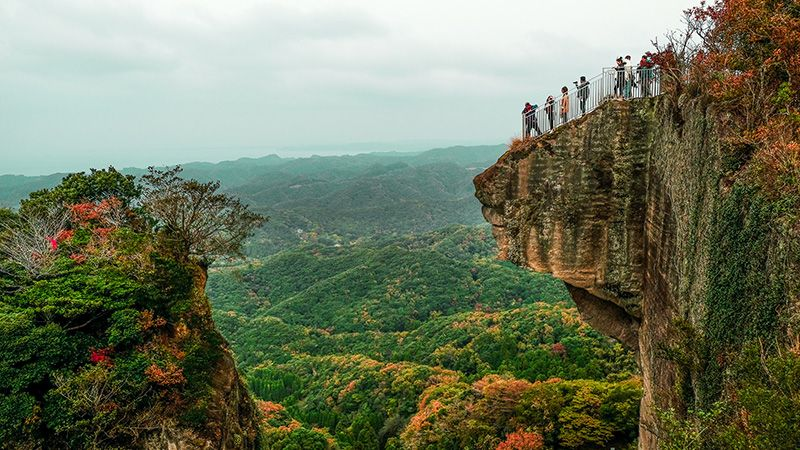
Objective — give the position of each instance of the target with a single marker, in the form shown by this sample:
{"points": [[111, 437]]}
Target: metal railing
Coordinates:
{"points": [[625, 83]]}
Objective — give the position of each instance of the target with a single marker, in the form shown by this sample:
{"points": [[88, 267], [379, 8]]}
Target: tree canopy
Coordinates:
{"points": [[195, 217], [81, 187]]}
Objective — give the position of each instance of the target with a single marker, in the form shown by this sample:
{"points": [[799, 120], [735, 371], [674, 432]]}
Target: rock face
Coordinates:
{"points": [[231, 420], [614, 205]]}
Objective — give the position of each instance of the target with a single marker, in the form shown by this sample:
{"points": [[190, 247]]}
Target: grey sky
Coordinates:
{"points": [[87, 83]]}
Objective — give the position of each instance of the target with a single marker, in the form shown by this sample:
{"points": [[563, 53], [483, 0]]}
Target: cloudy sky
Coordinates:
{"points": [[87, 83]]}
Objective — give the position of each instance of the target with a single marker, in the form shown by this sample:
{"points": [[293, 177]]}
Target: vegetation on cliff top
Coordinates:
{"points": [[335, 199], [105, 335], [744, 57]]}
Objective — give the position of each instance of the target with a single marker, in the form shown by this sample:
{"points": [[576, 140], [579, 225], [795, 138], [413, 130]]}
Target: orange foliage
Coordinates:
{"points": [[750, 64], [496, 386], [148, 320], [293, 425], [79, 258], [181, 331], [500, 395], [108, 213], [390, 367], [64, 236], [269, 410], [753, 48], [350, 388], [171, 375], [522, 440], [425, 411]]}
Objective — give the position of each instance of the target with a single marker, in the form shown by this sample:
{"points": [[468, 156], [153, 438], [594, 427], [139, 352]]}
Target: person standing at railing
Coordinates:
{"points": [[564, 105], [535, 119], [526, 119], [619, 82], [548, 109], [529, 115], [642, 71], [630, 82], [646, 67], [583, 93]]}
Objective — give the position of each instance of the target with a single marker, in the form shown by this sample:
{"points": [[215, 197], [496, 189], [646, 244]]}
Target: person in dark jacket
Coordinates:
{"points": [[535, 119], [619, 85], [529, 118], [583, 94], [548, 109]]}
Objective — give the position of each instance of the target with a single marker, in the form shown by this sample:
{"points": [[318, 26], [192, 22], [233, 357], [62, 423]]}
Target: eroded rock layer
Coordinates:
{"points": [[615, 204]]}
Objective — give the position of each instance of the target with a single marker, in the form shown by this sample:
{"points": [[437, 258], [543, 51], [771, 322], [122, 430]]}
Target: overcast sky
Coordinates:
{"points": [[87, 83]]}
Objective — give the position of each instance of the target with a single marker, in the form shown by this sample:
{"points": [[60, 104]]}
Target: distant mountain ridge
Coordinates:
{"points": [[243, 171]]}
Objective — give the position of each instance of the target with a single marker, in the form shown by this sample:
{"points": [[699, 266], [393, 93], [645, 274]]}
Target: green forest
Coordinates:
{"points": [[353, 342], [367, 312], [374, 291]]}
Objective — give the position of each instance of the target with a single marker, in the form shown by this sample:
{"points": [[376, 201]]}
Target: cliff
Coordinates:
{"points": [[639, 209], [228, 418]]}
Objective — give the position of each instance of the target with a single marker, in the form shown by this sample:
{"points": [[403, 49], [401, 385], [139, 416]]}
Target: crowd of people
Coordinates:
{"points": [[629, 81], [629, 77]]}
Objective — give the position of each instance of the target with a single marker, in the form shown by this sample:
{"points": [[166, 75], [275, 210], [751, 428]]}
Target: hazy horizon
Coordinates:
{"points": [[92, 83], [216, 156]]}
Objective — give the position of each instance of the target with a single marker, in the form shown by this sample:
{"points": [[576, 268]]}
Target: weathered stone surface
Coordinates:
{"points": [[604, 204], [573, 204], [231, 420]]}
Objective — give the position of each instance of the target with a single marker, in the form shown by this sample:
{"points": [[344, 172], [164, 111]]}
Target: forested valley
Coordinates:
{"points": [[372, 313], [368, 312]]}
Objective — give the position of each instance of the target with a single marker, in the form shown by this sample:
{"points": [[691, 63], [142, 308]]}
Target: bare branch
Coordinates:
{"points": [[31, 242]]}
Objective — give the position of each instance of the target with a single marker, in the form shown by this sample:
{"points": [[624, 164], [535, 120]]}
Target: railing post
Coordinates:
{"points": [[602, 86]]}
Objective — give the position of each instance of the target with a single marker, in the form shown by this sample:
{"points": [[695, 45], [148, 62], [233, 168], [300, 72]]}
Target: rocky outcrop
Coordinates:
{"points": [[230, 416], [231, 422], [619, 205]]}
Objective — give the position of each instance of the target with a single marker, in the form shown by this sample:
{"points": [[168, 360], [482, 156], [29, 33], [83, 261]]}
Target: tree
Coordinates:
{"points": [[286, 438], [195, 217], [79, 187], [362, 434], [744, 57]]}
